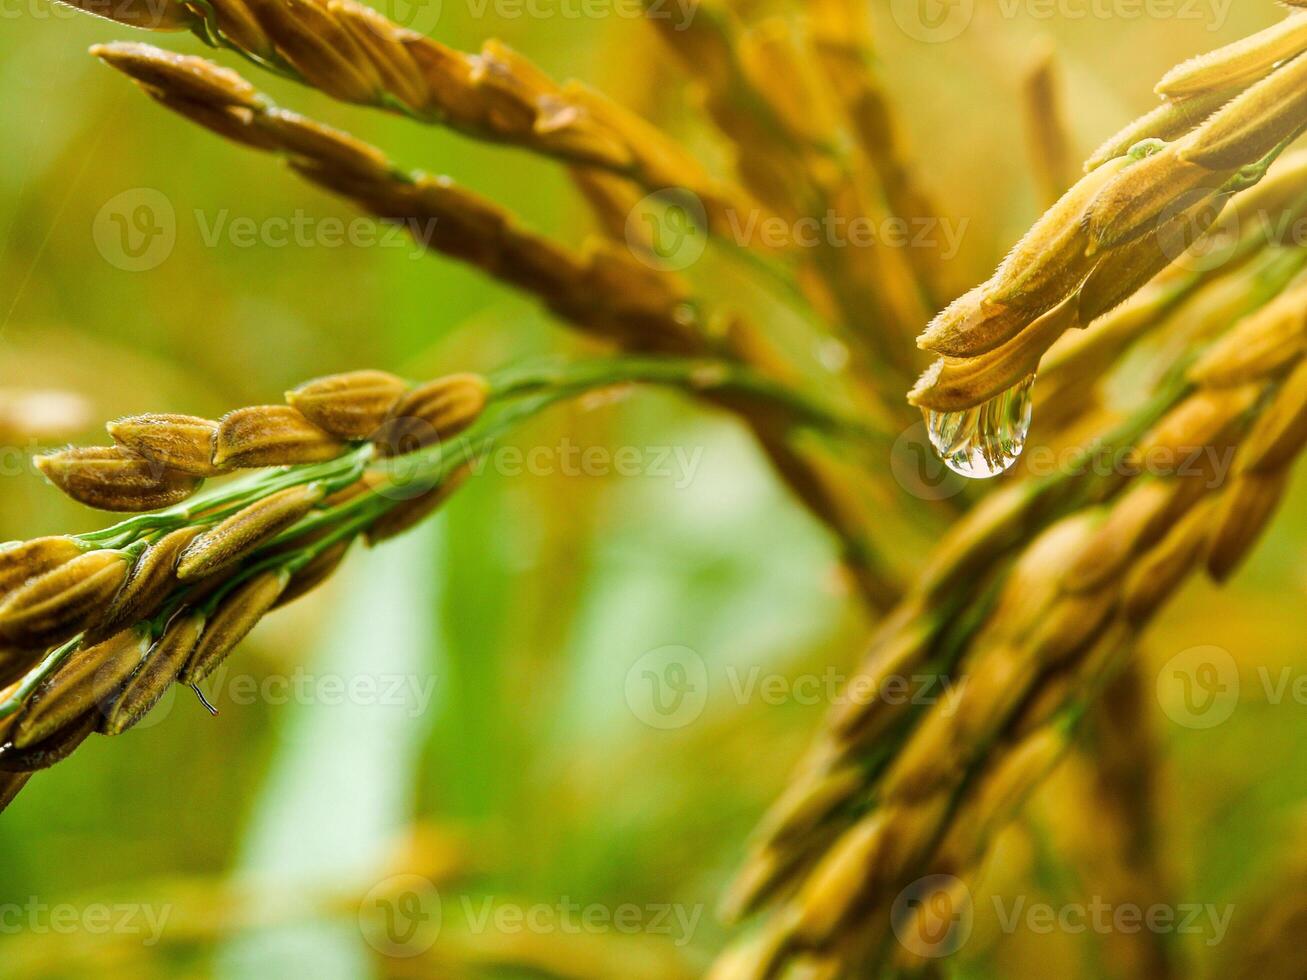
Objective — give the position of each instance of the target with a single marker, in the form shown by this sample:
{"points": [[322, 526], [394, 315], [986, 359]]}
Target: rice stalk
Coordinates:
{"points": [[1032, 604], [1108, 235], [842, 44], [1045, 126], [97, 626], [782, 119], [883, 791], [354, 54], [1269, 919], [605, 291]]}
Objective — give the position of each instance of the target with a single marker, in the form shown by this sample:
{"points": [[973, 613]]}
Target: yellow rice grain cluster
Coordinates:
{"points": [[94, 630], [1146, 196], [844, 839], [354, 54], [160, 460]]}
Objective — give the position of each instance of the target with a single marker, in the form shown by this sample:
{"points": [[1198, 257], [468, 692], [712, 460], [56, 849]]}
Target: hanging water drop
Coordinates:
{"points": [[984, 441]]}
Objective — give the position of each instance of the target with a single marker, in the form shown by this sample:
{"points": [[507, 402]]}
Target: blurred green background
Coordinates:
{"points": [[505, 753]]}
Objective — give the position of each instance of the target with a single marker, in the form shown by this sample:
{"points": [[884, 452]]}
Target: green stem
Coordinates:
{"points": [[232, 497], [48, 666], [690, 375]]}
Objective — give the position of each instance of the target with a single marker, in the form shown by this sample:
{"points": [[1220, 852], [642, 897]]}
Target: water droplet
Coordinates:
{"points": [[983, 441]]}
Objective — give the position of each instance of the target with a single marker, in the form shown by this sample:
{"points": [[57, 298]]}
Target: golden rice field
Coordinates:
{"points": [[743, 489]]}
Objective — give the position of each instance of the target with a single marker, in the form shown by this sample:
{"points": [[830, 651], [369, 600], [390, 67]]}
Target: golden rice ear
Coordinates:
{"points": [[1260, 346], [320, 568], [1253, 124], [1134, 523], [1236, 65], [237, 24], [834, 885], [61, 603], [182, 76], [235, 616], [1140, 197], [272, 435], [1159, 572], [1242, 515], [179, 442], [407, 514], [147, 15], [156, 674], [83, 685], [954, 384], [53, 750], [229, 122], [1127, 268], [152, 578], [513, 92], [234, 538], [335, 149], [1167, 122], [115, 479], [1205, 418], [11, 784], [1051, 259], [383, 43], [27, 559], [971, 325], [1280, 434], [432, 413], [321, 49], [349, 406]]}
